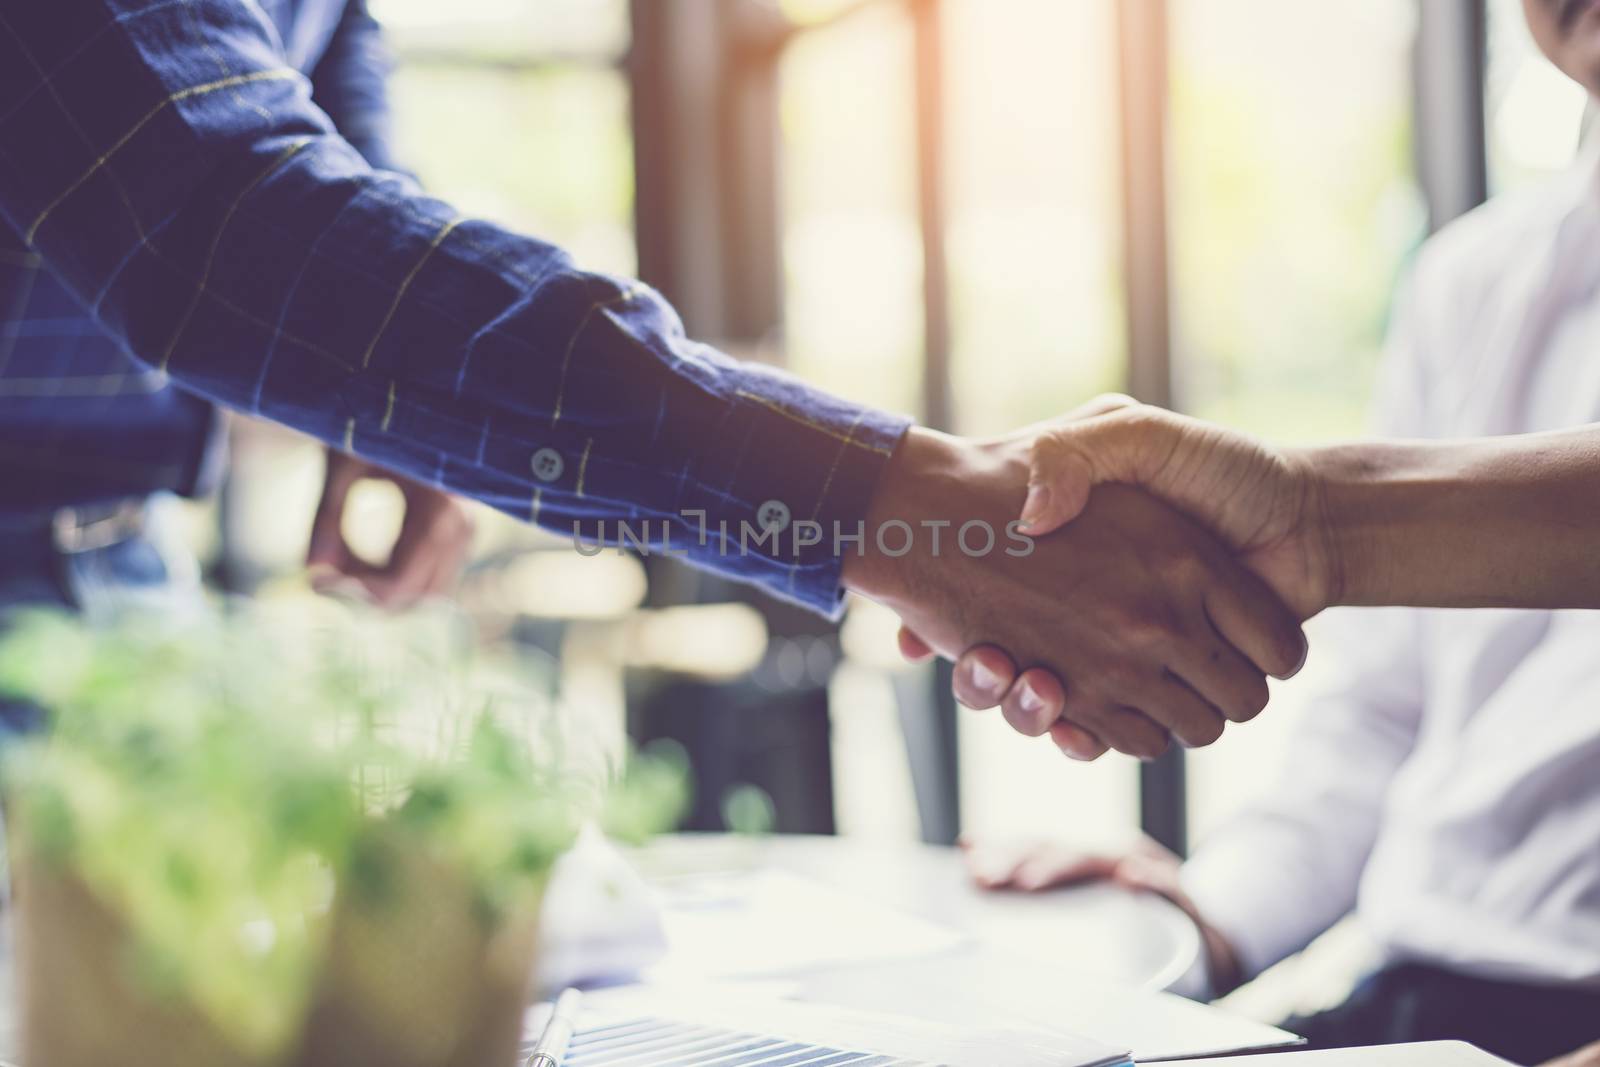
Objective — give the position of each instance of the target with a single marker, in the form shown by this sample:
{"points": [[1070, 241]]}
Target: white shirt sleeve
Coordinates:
{"points": [[1288, 866]]}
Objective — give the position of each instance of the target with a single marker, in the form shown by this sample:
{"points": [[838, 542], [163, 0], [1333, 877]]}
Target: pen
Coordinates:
{"points": [[552, 1044]]}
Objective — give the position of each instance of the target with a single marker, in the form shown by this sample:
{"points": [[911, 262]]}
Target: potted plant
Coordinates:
{"points": [[285, 842]]}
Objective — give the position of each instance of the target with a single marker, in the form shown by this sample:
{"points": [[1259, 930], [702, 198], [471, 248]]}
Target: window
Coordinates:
{"points": [[1294, 209], [1034, 209], [516, 111], [853, 260], [1293, 206]]}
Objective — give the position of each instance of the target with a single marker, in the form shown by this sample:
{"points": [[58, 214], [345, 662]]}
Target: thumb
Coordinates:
{"points": [[1059, 480], [1067, 460], [328, 548]]}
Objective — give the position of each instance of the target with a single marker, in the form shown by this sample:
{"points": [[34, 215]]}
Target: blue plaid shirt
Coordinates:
{"points": [[172, 175]]}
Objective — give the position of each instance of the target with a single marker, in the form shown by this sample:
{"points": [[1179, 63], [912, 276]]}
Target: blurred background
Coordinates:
{"points": [[982, 212]]}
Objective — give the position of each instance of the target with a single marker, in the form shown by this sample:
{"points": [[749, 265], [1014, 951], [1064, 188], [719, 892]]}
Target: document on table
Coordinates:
{"points": [[725, 1025], [768, 922], [1007, 990]]}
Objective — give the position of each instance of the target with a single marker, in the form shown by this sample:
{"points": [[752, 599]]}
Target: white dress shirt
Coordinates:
{"points": [[1447, 788]]}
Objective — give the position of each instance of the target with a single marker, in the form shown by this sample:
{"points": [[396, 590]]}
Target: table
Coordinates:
{"points": [[1091, 960], [1098, 932]]}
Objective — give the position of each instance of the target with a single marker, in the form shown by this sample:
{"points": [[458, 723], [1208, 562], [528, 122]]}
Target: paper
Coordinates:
{"points": [[731, 1012], [764, 923], [600, 922], [1002, 989]]}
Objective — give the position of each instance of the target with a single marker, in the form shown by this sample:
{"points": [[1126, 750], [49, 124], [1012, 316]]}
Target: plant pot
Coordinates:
{"points": [[417, 975], [76, 1005], [414, 975]]}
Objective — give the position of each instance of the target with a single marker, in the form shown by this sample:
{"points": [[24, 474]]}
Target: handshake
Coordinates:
{"points": [[1145, 611], [1154, 569]]}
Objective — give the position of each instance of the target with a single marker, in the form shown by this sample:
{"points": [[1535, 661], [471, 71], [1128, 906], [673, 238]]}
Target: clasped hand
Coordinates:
{"points": [[1145, 613]]}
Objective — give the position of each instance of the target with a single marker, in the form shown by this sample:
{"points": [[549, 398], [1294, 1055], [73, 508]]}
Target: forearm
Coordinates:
{"points": [[224, 235], [1496, 522]]}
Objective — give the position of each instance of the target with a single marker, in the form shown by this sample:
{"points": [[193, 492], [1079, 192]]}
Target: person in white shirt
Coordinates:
{"points": [[1446, 789]]}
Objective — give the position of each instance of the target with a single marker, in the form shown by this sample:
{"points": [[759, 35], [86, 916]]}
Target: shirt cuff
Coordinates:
{"points": [[802, 466], [1260, 918]]}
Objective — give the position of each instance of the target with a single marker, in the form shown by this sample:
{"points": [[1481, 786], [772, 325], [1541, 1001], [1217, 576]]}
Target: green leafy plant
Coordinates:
{"points": [[241, 797]]}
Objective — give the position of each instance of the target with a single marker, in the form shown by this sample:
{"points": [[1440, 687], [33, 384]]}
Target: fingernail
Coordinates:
{"points": [[983, 679], [1031, 702], [1034, 507]]}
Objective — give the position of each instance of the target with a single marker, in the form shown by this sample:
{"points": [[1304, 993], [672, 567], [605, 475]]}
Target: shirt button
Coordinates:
{"points": [[548, 464], [773, 515]]}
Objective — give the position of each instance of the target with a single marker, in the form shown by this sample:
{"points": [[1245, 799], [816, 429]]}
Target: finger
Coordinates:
{"points": [[1061, 469], [446, 577], [1059, 481], [453, 555], [1188, 716], [1149, 875], [1054, 866], [982, 676], [327, 547], [401, 582], [1218, 673], [1103, 404], [993, 867], [1132, 732], [1115, 726], [1251, 618], [1077, 743], [1034, 704], [914, 648]]}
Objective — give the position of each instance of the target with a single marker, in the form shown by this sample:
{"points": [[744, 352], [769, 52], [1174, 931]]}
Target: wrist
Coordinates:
{"points": [[1355, 490], [1222, 963], [925, 477]]}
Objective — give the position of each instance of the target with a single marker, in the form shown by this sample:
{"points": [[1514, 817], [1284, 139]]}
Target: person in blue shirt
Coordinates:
{"points": [[90, 440], [202, 211]]}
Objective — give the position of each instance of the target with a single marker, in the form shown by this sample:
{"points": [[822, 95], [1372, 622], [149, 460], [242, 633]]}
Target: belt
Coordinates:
{"points": [[87, 529]]}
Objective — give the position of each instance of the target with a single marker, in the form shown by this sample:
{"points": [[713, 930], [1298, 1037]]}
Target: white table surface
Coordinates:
{"points": [[1090, 960], [1098, 932]]}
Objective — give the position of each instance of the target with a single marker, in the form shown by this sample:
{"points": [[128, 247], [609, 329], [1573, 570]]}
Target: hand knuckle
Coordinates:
{"points": [[1150, 626], [1252, 700], [1048, 449]]}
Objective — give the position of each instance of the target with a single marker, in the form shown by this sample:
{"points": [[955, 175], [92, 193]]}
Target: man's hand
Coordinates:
{"points": [[1263, 503], [1145, 868], [1151, 624], [428, 556]]}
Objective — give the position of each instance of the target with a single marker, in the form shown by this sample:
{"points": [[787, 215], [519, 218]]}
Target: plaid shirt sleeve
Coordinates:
{"points": [[175, 173]]}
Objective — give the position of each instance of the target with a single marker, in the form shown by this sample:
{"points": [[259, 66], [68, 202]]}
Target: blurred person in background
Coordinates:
{"points": [[170, 174], [95, 448], [1444, 788], [94, 445]]}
